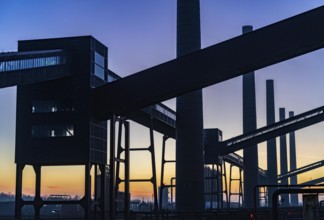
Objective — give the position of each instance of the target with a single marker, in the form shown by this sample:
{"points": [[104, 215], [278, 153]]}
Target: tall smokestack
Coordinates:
{"points": [[272, 172], [189, 135], [250, 155], [293, 164], [283, 159]]}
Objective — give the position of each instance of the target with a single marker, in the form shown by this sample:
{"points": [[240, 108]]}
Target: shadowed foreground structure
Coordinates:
{"points": [[70, 109]]}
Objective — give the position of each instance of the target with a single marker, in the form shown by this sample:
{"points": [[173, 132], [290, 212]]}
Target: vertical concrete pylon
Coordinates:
{"points": [[283, 159], [272, 167], [293, 163], [250, 154], [189, 134]]}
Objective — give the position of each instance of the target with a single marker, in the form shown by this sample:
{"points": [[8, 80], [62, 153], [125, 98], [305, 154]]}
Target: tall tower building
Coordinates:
{"points": [[189, 134], [250, 155], [272, 171], [293, 162], [283, 159]]}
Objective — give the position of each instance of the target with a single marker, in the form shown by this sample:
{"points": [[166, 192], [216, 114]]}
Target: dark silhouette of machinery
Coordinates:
{"points": [[65, 94]]}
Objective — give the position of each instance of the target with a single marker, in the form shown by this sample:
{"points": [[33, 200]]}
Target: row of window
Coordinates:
{"points": [[52, 106], [31, 63], [58, 130]]}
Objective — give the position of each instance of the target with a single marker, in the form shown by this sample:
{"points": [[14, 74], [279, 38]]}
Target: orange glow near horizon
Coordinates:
{"points": [[69, 180]]}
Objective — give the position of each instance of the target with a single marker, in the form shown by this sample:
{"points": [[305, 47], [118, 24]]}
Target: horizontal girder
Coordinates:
{"points": [[272, 44]]}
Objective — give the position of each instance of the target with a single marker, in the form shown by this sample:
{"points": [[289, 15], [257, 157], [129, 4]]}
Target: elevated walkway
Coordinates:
{"points": [[237, 160], [271, 131], [164, 118], [20, 68], [228, 59], [301, 170]]}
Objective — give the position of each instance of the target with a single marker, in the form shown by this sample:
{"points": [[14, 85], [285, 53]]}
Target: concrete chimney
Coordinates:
{"points": [[189, 124]]}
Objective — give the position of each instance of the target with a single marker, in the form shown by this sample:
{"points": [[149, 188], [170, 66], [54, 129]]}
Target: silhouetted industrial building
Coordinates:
{"points": [[54, 125], [59, 107]]}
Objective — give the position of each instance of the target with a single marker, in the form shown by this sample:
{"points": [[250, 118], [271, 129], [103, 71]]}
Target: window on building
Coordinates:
{"points": [[31, 63], [56, 130], [99, 59], [52, 106], [99, 66]]}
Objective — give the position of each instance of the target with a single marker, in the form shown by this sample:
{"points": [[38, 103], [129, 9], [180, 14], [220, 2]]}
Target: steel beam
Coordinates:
{"points": [[261, 48], [271, 131], [301, 170]]}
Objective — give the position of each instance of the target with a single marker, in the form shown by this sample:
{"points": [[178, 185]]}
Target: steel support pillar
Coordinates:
{"points": [[162, 185], [152, 150], [272, 172], [99, 202], [127, 167], [19, 203], [112, 173], [293, 163], [126, 161], [239, 194], [38, 202], [123, 123], [283, 159], [163, 162], [189, 124], [87, 192], [102, 198], [224, 185], [250, 155]]}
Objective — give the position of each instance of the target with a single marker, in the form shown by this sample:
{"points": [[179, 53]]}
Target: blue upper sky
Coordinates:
{"points": [[142, 33]]}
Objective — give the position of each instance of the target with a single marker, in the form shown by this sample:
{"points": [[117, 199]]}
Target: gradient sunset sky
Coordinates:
{"points": [[141, 34]]}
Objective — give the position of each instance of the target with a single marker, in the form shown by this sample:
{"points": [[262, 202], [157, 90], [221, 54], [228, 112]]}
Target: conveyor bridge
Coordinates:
{"points": [[271, 131], [301, 170], [20, 68]]}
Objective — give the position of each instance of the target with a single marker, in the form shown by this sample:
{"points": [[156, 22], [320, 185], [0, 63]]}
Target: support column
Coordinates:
{"points": [[103, 191], [38, 202], [162, 186], [152, 150], [19, 202], [272, 172], [112, 169], [127, 176], [189, 134], [87, 192], [283, 159], [250, 154], [293, 163]]}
